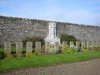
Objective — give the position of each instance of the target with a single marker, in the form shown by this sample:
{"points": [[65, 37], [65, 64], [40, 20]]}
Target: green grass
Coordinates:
{"points": [[45, 60]]}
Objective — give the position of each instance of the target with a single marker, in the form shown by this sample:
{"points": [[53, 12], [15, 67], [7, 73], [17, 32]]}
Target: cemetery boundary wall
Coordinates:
{"points": [[16, 29]]}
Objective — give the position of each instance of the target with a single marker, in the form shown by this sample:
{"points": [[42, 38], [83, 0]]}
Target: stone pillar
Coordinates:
{"points": [[19, 47], [38, 47], [78, 44], [29, 48], [71, 44], [64, 45], [47, 47], [7, 48]]}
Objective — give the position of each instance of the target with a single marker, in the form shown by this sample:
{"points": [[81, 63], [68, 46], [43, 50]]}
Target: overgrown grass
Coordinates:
{"points": [[45, 60]]}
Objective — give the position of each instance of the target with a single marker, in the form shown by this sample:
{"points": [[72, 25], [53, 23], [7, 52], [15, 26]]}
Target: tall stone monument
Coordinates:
{"points": [[52, 35], [52, 39]]}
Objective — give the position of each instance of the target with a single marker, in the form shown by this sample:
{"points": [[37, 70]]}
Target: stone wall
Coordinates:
{"points": [[16, 29]]}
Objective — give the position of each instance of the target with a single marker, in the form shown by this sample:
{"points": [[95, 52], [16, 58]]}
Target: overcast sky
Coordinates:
{"points": [[73, 11]]}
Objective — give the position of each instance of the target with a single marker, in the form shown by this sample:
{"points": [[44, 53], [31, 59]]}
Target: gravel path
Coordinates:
{"points": [[91, 67]]}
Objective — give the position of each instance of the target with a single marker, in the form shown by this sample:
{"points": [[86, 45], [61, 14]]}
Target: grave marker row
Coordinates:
{"points": [[19, 48], [29, 46]]}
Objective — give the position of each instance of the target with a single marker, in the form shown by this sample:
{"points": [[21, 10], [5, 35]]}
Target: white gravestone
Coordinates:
{"points": [[19, 47], [47, 47], [72, 44], [7, 48], [38, 47], [64, 45], [29, 48]]}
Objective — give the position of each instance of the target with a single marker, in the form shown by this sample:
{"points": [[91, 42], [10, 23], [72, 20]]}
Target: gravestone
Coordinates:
{"points": [[38, 47], [19, 47], [92, 44], [64, 45], [7, 48], [47, 47], [29, 48], [83, 44], [72, 44], [78, 44], [87, 44], [97, 43]]}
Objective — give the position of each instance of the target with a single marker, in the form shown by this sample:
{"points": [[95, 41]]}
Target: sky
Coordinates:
{"points": [[72, 11]]}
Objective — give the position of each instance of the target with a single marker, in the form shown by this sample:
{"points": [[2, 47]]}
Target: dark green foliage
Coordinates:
{"points": [[33, 39], [1, 56], [68, 38]]}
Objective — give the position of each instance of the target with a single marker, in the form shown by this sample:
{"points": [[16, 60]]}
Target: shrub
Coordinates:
{"points": [[68, 38], [52, 50], [1, 55], [69, 50]]}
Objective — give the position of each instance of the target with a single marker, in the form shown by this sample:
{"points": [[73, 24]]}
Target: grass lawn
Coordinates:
{"points": [[45, 60]]}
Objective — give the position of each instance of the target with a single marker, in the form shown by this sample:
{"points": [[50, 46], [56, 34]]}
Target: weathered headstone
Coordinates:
{"points": [[97, 43], [38, 47], [87, 44], [29, 48], [7, 48], [47, 47], [92, 44], [71, 44], [64, 45], [77, 47], [78, 44], [19, 47], [83, 44]]}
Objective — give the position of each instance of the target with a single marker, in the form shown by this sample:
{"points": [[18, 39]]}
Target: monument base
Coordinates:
{"points": [[52, 41]]}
